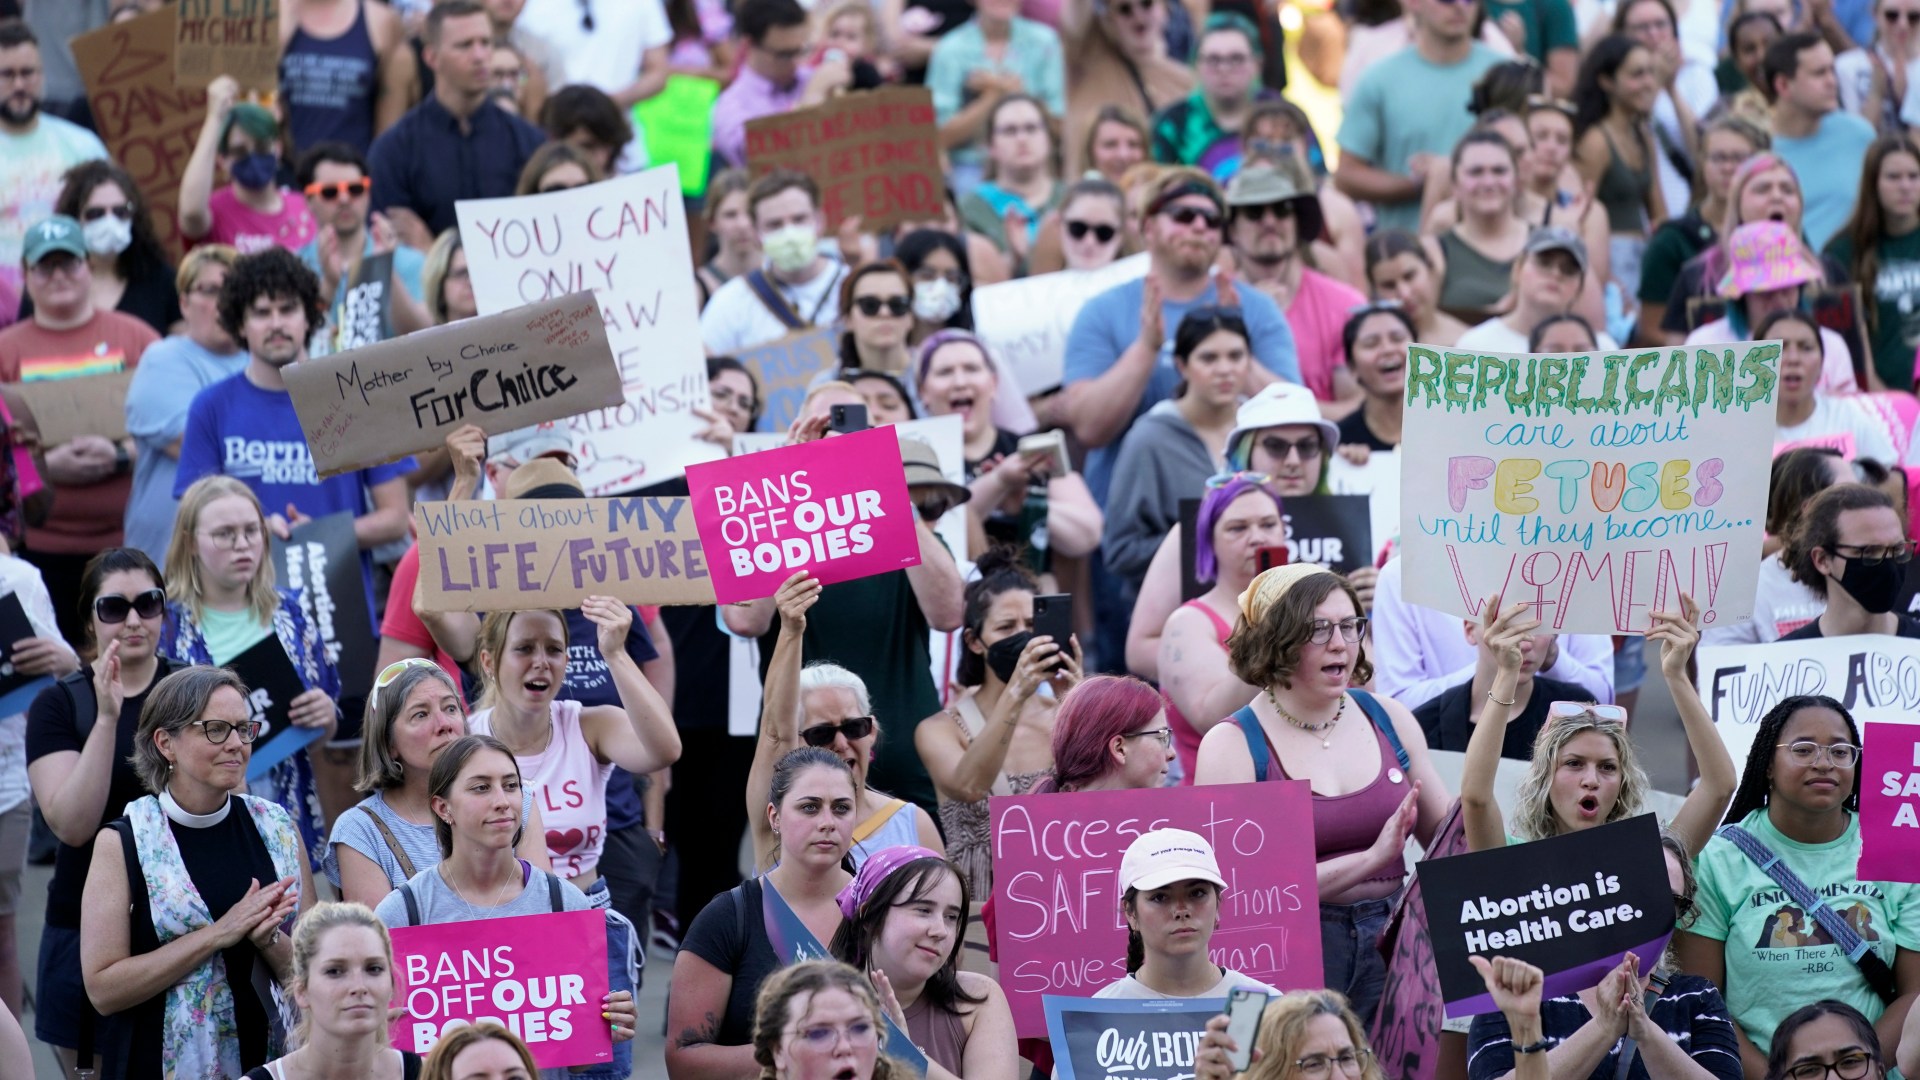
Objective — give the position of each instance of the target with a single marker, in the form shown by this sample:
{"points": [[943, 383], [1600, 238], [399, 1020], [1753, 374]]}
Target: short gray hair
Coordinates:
{"points": [[827, 675], [175, 702]]}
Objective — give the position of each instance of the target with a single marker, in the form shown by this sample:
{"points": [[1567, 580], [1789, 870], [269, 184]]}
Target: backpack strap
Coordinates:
{"points": [[1384, 725], [1873, 969], [1256, 740], [412, 902], [78, 686], [393, 844], [774, 302], [555, 898]]}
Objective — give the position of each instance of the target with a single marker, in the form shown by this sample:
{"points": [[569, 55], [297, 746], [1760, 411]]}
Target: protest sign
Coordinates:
{"points": [[1056, 863], [626, 239], [1594, 488], [540, 976], [837, 508], [1025, 322], [148, 123], [1379, 480], [1876, 676], [1571, 905], [676, 125], [784, 369], [1099, 1038], [272, 684], [321, 561], [872, 153], [1890, 803], [14, 628], [545, 361], [66, 408], [240, 38], [1334, 531], [554, 553], [362, 313]]}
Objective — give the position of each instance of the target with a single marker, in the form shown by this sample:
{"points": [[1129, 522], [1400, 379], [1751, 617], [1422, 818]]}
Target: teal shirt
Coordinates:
{"points": [[1387, 125], [1550, 24], [1033, 53], [1896, 304], [1828, 165], [230, 633]]}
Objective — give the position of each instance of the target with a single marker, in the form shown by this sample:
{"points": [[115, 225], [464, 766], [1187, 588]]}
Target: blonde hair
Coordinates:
{"points": [[319, 919], [826, 388], [197, 260], [1284, 1028], [851, 7], [1533, 817], [183, 551], [493, 644], [772, 1005], [439, 1064], [433, 273]]}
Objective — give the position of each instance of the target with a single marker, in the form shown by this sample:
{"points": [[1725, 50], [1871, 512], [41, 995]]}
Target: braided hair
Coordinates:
{"points": [[1756, 779]]}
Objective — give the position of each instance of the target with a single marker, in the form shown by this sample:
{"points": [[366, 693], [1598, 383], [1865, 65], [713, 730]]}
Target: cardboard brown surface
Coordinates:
{"points": [[872, 153], [784, 370], [148, 124], [87, 405], [240, 38], [541, 362], [522, 554]]}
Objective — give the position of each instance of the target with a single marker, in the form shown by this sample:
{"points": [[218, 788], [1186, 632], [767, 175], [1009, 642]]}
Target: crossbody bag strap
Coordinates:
{"points": [[1256, 740], [1628, 1048], [412, 902], [556, 900], [393, 844], [1873, 969], [770, 297]]}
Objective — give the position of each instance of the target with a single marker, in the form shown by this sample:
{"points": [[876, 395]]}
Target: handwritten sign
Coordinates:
{"points": [[1877, 677], [1099, 1038], [148, 123], [86, 405], [1056, 863], [625, 239], [546, 361], [784, 369], [240, 38], [272, 684], [872, 153], [1025, 322], [321, 562], [554, 553], [539, 976], [1595, 488], [1573, 905], [835, 507], [1890, 803]]}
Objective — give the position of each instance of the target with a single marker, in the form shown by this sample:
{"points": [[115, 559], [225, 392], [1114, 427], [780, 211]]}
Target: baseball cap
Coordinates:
{"points": [[1557, 238], [1164, 856], [543, 478], [57, 233]]}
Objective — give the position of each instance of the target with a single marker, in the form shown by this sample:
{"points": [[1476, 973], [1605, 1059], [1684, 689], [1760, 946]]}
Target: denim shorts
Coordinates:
{"points": [[621, 976], [1350, 952], [1629, 665]]}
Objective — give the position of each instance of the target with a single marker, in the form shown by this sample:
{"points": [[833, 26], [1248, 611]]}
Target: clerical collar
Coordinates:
{"points": [[180, 816]]}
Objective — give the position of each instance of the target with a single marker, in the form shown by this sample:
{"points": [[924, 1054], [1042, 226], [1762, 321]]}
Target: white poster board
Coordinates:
{"points": [[1877, 677], [1025, 322], [1596, 488], [626, 240], [1379, 480]]}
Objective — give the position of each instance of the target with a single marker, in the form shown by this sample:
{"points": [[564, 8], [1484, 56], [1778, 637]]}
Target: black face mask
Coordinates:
{"points": [[1004, 655], [1874, 588]]}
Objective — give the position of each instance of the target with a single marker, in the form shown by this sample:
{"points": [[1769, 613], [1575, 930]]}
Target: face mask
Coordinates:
{"points": [[935, 301], [790, 249], [1873, 587], [108, 235], [255, 171], [1004, 655]]}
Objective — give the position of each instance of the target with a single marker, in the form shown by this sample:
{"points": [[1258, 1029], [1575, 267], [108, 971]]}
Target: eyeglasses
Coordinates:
{"points": [[208, 291], [1574, 710], [112, 610], [1806, 752], [823, 1037], [1351, 1061], [1727, 159], [1229, 62], [1350, 630], [1656, 28], [351, 189], [94, 213], [1892, 17], [60, 262], [1103, 233], [217, 731], [1187, 215], [1851, 1065], [871, 306], [1220, 480], [1682, 909], [785, 56], [822, 734], [1165, 735], [1899, 554], [393, 671], [234, 536], [1280, 449], [1256, 214]]}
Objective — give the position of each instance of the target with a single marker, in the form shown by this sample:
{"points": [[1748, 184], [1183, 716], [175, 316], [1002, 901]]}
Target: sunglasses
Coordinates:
{"points": [[1103, 233], [1309, 448], [1682, 909], [871, 306], [1187, 215], [1281, 211], [112, 610], [349, 189], [1220, 480], [94, 213], [393, 671], [1574, 710], [822, 734], [1893, 17]]}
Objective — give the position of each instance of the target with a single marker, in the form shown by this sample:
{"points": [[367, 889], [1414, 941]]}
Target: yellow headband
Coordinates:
{"points": [[1267, 589]]}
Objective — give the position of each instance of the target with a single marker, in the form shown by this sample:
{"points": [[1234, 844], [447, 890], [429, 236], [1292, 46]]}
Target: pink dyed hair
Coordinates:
{"points": [[1089, 718]]}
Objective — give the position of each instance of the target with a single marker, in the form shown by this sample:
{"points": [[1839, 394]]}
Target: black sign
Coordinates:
{"points": [[1573, 905], [272, 684], [14, 628], [1098, 1038], [322, 563], [1334, 531]]}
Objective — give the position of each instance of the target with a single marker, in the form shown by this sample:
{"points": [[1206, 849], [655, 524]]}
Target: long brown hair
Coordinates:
{"points": [[1867, 227]]}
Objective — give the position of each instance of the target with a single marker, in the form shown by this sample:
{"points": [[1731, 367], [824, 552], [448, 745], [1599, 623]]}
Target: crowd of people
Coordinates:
{"points": [[1310, 188]]}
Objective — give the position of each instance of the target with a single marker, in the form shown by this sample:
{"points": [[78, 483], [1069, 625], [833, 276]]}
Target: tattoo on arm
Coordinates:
{"points": [[706, 1033]]}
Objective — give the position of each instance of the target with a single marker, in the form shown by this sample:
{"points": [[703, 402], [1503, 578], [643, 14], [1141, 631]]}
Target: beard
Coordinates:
{"points": [[19, 115]]}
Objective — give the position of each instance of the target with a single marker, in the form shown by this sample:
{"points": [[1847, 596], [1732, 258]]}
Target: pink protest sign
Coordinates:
{"points": [[835, 507], [1056, 889], [1890, 803], [541, 976]]}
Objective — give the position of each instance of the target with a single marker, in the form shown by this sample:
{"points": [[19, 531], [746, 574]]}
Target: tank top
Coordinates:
{"points": [[328, 86], [1186, 737], [570, 785], [1622, 190], [1344, 824], [901, 826], [966, 824], [1474, 283], [941, 1034]]}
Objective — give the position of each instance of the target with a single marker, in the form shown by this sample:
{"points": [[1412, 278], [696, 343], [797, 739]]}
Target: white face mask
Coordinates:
{"points": [[107, 235], [935, 301], [792, 248]]}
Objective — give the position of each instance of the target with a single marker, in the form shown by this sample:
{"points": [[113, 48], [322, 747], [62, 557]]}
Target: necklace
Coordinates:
{"points": [[1320, 729], [498, 898]]}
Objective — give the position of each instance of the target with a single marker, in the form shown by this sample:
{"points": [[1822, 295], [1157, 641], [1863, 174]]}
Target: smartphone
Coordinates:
{"points": [[1267, 558], [1053, 617], [1244, 1009], [848, 418]]}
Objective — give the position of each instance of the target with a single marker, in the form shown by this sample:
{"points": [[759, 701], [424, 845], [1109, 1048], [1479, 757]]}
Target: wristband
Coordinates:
{"points": [[1539, 1046], [122, 461], [1497, 701]]}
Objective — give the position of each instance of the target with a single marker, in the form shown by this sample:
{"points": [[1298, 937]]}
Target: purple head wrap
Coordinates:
{"points": [[878, 868]]}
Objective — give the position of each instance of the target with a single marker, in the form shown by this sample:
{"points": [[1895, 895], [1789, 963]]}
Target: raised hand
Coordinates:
{"points": [[797, 594], [612, 619], [1505, 631], [1513, 984], [1678, 633], [107, 692]]}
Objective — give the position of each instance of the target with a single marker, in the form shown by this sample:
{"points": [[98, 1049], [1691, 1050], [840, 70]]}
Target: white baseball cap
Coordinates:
{"points": [[1164, 856]]}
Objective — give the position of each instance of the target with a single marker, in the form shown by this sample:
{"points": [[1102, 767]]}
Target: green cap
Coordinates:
{"points": [[57, 233]]}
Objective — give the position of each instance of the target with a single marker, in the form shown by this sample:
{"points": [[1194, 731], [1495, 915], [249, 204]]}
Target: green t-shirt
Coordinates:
{"points": [[1673, 243], [1386, 125], [230, 633], [1896, 296], [1778, 958], [1550, 24]]}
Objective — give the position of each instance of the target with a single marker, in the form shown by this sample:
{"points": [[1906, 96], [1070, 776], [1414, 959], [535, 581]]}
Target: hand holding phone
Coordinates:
{"points": [[1245, 1007], [1267, 558], [846, 419], [1053, 617]]}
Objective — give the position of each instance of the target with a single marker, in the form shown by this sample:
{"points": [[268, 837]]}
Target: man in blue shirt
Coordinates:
{"points": [[245, 426], [1824, 143]]}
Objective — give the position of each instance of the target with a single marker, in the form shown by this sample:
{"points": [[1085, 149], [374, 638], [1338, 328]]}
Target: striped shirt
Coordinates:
{"points": [[1691, 1012]]}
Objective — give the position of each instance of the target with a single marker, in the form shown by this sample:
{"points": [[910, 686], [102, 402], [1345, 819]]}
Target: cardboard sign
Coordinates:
{"points": [[1056, 864], [784, 369], [1406, 1027], [1025, 322], [65, 409], [539, 976], [1890, 803], [322, 563], [835, 507], [871, 152], [1877, 677], [1594, 488], [272, 684], [546, 361], [677, 125], [1098, 1038], [240, 38], [553, 553], [1573, 905], [625, 239], [148, 123]]}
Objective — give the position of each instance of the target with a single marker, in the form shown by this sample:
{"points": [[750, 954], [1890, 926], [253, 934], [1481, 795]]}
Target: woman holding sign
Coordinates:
{"points": [[342, 979], [222, 601]]}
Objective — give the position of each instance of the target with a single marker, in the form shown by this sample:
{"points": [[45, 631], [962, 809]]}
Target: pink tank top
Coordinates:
{"points": [[570, 787], [1186, 737], [1343, 824]]}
